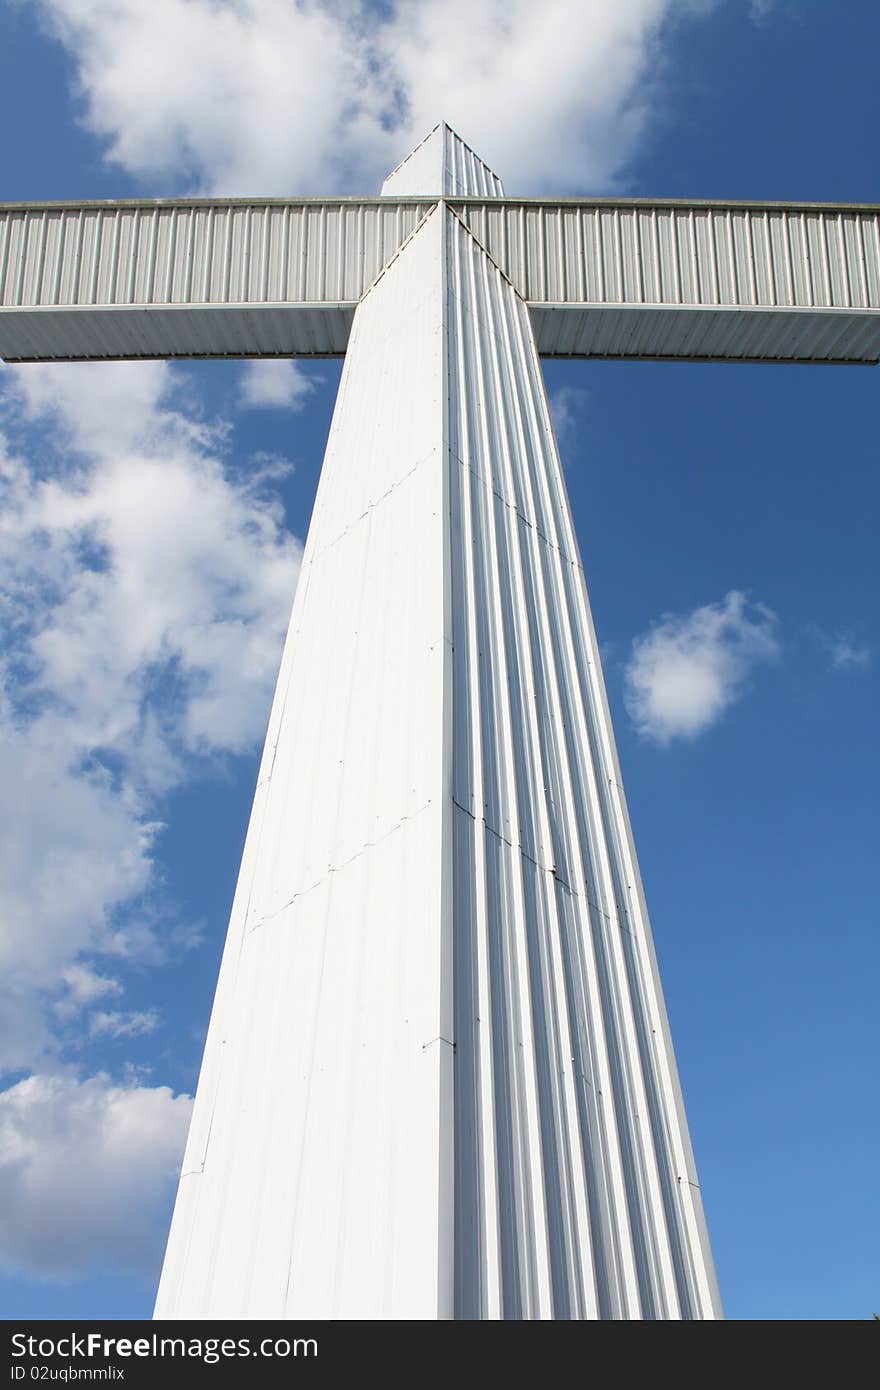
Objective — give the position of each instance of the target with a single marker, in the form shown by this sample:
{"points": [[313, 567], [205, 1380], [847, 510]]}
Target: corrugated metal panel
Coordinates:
{"points": [[576, 1192], [442, 164], [720, 334], [267, 330], [199, 253], [466, 174], [439, 857], [684, 254], [798, 268]]}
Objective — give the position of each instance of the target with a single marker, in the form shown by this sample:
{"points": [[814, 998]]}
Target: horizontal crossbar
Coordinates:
{"points": [[627, 278]]}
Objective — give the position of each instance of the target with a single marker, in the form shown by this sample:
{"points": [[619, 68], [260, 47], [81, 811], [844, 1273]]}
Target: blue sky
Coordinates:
{"points": [[152, 519]]}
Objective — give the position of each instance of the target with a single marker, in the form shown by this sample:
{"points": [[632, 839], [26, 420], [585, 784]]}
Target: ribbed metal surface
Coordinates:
{"points": [[198, 253], [698, 254], [576, 1194], [438, 1080], [237, 330], [619, 280], [466, 174], [443, 165], [720, 334]]}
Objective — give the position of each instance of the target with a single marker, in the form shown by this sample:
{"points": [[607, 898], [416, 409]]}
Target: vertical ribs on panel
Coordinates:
{"points": [[217, 253], [574, 1198]]}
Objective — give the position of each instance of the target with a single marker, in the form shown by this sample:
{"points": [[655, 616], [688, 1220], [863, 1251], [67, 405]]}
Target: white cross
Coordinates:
{"points": [[438, 1080]]}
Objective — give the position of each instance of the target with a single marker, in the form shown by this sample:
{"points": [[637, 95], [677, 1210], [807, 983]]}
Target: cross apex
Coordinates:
{"points": [[442, 163]]}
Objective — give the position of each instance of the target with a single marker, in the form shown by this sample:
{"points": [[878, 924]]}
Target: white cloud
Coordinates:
{"points": [[73, 851], [281, 97], [582, 72], [144, 592], [116, 1023], [686, 671], [86, 1173], [760, 10], [567, 405], [275, 383], [79, 986], [151, 556], [847, 653], [85, 985]]}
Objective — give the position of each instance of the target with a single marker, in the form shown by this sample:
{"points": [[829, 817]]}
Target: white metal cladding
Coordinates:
{"points": [[576, 1194], [466, 174], [442, 164], [692, 254], [176, 330], [439, 858], [254, 279], [317, 1180], [228, 253], [691, 281], [198, 253], [723, 333]]}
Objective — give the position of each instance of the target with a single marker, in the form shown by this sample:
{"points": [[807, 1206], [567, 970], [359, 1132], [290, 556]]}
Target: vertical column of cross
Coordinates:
{"points": [[438, 1080]]}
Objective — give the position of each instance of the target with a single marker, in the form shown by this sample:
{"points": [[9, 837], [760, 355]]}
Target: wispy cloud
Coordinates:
{"points": [[846, 652], [567, 407], [687, 670], [277, 384], [85, 985], [119, 1024], [81, 985], [760, 10]]}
